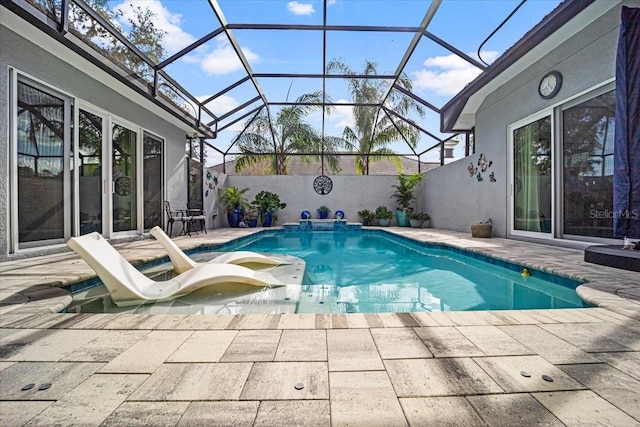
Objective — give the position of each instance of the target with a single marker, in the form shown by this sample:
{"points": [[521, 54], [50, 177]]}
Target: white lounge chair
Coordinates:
{"points": [[181, 261], [128, 286]]}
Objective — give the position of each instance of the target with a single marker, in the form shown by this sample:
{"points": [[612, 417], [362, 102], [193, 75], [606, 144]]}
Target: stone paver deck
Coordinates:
{"points": [[384, 369]]}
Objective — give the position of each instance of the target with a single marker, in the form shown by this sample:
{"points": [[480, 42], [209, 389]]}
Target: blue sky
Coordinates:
{"points": [[436, 73]]}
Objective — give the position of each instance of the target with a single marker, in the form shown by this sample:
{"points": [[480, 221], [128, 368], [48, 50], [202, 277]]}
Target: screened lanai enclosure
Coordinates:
{"points": [[332, 86], [118, 108]]}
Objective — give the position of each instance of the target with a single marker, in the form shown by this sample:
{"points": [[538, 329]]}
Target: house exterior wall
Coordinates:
{"points": [[349, 194], [455, 199], [26, 57]]}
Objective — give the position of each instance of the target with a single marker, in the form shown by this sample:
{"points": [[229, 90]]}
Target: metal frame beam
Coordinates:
{"points": [[189, 48], [236, 47]]}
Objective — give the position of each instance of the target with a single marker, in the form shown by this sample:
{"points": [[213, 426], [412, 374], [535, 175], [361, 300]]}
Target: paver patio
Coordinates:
{"points": [[355, 369]]}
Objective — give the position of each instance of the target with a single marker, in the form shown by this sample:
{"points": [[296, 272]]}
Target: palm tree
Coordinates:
{"points": [[373, 130], [289, 134]]}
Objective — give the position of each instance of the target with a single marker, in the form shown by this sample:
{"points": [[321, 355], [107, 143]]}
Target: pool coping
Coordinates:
{"points": [[30, 286]]}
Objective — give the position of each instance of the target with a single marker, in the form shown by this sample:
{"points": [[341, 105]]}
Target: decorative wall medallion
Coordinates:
{"points": [[123, 186], [322, 184]]}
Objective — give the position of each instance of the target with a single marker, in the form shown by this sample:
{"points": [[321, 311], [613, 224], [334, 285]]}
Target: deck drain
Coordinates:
{"points": [[547, 378], [299, 386], [28, 387], [525, 374]]}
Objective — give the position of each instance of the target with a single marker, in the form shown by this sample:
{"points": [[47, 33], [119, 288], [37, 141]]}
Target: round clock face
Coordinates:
{"points": [[550, 85]]}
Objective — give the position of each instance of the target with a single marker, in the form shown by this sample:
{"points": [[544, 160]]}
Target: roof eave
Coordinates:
{"points": [[555, 20]]}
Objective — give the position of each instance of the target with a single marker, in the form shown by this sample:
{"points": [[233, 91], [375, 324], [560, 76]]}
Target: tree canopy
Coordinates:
{"points": [[275, 141], [373, 130]]}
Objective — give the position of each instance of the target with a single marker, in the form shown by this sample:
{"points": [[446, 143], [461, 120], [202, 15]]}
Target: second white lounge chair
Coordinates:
{"points": [[181, 261], [128, 286]]}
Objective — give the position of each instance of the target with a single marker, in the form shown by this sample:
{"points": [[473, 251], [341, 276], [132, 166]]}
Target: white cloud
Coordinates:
{"points": [[223, 59], [221, 105], [298, 8], [341, 116], [331, 2], [447, 75], [175, 38]]}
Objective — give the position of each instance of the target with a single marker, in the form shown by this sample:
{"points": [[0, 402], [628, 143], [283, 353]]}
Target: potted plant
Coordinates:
{"points": [[250, 218], [418, 219], [383, 215], [234, 202], [266, 204], [367, 216], [404, 195], [323, 212]]}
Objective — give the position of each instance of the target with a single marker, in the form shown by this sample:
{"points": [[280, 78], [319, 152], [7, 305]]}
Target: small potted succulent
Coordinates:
{"points": [[418, 219], [383, 215], [250, 218], [323, 212], [367, 216]]}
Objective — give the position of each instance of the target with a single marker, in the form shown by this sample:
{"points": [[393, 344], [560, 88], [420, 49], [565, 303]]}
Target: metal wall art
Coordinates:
{"points": [[322, 184], [483, 165]]}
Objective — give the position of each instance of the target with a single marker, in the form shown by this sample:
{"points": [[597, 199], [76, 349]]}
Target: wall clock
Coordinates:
{"points": [[550, 85]]}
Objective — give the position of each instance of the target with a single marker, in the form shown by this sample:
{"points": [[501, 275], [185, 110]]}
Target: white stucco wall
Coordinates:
{"points": [[453, 198], [350, 194], [31, 59]]}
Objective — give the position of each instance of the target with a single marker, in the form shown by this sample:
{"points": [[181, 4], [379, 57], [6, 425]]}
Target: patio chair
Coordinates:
{"points": [[170, 218], [196, 213], [128, 286], [181, 261]]}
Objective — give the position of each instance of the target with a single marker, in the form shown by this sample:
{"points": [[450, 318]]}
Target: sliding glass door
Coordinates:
{"points": [[153, 180], [90, 169], [124, 148], [531, 200], [43, 150], [588, 147]]}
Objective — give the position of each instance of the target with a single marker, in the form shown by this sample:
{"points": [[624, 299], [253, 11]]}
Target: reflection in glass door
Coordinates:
{"points": [[42, 165], [152, 177], [90, 171], [532, 186], [124, 212], [588, 147]]}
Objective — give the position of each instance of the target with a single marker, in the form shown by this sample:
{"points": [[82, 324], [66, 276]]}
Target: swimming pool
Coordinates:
{"points": [[372, 271]]}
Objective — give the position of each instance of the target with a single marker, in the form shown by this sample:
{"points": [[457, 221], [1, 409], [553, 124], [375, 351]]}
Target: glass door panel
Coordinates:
{"points": [[90, 172], [152, 176], [124, 157], [588, 147], [532, 177], [41, 165]]}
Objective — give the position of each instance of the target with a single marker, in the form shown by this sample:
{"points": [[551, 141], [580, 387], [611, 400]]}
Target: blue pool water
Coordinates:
{"points": [[372, 271]]}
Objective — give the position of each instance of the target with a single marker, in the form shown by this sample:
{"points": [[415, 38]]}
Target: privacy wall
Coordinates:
{"points": [[349, 194]]}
